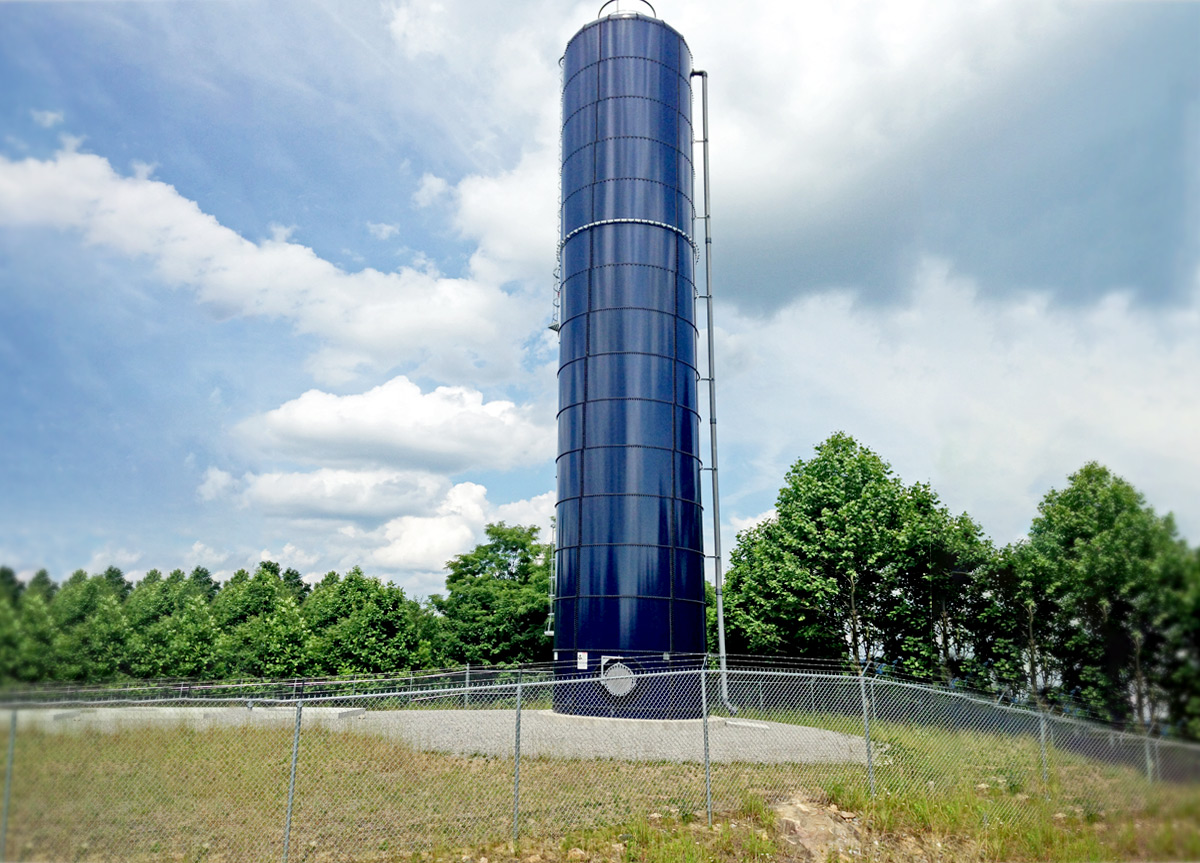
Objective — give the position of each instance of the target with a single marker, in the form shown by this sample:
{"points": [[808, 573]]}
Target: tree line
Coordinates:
{"points": [[1098, 607], [270, 623]]}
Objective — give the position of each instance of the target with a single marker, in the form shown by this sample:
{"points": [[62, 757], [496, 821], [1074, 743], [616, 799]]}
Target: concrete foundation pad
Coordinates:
{"points": [[544, 733]]}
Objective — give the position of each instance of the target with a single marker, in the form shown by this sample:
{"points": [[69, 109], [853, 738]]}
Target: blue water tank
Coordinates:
{"points": [[630, 560]]}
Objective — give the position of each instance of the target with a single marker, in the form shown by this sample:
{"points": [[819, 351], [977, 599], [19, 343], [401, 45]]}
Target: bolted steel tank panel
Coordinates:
{"points": [[630, 565]]}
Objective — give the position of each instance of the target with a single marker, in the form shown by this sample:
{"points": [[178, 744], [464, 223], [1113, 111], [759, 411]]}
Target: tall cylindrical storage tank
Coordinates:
{"points": [[630, 563]]}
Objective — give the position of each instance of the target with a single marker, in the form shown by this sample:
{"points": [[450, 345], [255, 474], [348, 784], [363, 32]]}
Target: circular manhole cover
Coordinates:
{"points": [[617, 678]]}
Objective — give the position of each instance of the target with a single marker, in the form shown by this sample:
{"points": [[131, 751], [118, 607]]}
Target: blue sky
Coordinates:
{"points": [[275, 280]]}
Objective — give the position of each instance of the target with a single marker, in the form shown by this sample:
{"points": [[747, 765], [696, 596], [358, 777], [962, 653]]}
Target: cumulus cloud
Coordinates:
{"points": [[110, 555], [993, 400], [430, 190], [820, 92], [432, 522], [415, 542], [458, 329], [47, 119], [205, 556], [382, 230], [450, 429], [512, 217], [537, 511], [290, 556], [740, 524], [498, 78], [343, 494], [420, 545], [216, 483], [493, 68]]}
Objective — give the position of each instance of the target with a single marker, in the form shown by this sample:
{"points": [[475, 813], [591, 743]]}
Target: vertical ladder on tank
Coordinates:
{"points": [[711, 380], [553, 579], [555, 324]]}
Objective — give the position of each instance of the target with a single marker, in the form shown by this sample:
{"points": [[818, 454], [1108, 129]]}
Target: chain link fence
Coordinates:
{"points": [[462, 758]]}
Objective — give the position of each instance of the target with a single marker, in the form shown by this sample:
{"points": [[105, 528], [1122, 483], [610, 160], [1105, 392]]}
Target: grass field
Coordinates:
{"points": [[220, 794]]}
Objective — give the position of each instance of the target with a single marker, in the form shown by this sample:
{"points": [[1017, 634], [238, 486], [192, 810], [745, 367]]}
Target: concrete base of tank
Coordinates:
{"points": [[492, 732]]}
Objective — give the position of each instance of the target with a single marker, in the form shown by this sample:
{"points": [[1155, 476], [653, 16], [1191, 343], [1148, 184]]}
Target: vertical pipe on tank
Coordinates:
{"points": [[712, 397]]}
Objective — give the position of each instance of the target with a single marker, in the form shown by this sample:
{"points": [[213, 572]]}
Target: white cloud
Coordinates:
{"points": [[489, 71], [281, 233], [291, 557], [419, 546], [426, 542], [458, 329], [449, 430], [430, 190], [740, 524], [205, 556], [216, 484], [382, 230], [413, 542], [422, 29], [344, 494], [536, 511], [994, 401], [143, 170], [47, 119], [122, 558], [821, 92], [811, 103], [512, 216]]}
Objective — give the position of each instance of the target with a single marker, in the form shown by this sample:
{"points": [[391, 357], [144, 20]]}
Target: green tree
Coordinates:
{"points": [[36, 659], [855, 563], [95, 649], [361, 626], [1181, 671], [148, 601], [1114, 570], [269, 644], [120, 585], [10, 585], [193, 636], [294, 582], [203, 584], [10, 643], [775, 603], [78, 599], [246, 596], [496, 601], [43, 585]]}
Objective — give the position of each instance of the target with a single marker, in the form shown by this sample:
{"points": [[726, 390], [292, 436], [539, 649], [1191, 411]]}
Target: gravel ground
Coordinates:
{"points": [[492, 732]]}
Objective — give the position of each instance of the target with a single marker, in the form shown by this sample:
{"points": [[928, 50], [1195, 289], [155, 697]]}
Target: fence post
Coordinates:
{"points": [[287, 824], [1042, 734], [866, 708], [1149, 758], [707, 762], [517, 774], [8, 772], [467, 687]]}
